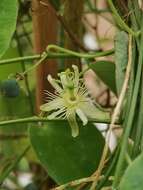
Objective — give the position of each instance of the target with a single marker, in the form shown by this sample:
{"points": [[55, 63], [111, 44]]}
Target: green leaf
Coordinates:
{"points": [[8, 16], [67, 158], [121, 58], [106, 72], [133, 177], [8, 69]]}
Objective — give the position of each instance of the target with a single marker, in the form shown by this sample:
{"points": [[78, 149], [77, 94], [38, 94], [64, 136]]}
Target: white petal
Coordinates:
{"points": [[82, 116], [111, 140], [55, 114], [63, 79], [76, 77], [54, 84], [57, 103], [71, 117]]}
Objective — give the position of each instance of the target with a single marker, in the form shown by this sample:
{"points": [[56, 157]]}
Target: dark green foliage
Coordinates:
{"points": [[133, 177], [106, 71], [67, 158]]}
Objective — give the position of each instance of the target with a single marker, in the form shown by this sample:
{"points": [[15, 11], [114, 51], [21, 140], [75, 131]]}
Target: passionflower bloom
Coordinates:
{"points": [[70, 100]]}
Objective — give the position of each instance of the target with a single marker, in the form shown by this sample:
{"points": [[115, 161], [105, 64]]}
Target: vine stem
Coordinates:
{"points": [[120, 21], [18, 59], [36, 119], [69, 53], [65, 53], [34, 57], [116, 113], [79, 55], [75, 183], [52, 56]]}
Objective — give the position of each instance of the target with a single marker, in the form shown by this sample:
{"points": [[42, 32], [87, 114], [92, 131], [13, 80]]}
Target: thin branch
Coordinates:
{"points": [[75, 183]]}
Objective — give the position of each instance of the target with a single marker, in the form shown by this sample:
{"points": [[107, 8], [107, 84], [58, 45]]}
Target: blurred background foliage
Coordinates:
{"points": [[91, 36]]}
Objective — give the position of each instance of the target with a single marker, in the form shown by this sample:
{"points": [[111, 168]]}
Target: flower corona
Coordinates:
{"points": [[70, 100]]}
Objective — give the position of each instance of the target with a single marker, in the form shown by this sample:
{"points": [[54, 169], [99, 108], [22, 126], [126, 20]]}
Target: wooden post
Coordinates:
{"points": [[73, 16], [45, 32]]}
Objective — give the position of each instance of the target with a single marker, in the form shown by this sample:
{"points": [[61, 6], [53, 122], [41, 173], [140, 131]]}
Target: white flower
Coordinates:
{"points": [[71, 100]]}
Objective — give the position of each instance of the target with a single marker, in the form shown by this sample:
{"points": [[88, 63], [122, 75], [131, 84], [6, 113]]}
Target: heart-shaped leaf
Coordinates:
{"points": [[67, 158]]}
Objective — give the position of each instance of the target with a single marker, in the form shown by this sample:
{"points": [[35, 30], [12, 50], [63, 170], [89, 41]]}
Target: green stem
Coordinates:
{"points": [[43, 58], [80, 55], [65, 53], [18, 59], [68, 52], [139, 129], [34, 57], [128, 159], [120, 21], [13, 165], [131, 114], [36, 119]]}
